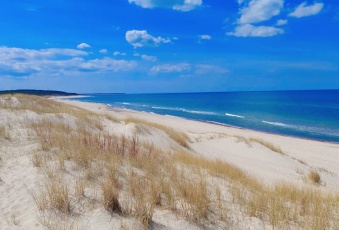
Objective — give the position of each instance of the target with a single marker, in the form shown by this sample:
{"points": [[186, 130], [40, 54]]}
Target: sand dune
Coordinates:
{"points": [[63, 167]]}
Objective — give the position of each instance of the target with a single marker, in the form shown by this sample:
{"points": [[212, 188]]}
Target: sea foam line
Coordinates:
{"points": [[184, 110], [167, 108], [310, 129], [234, 115], [277, 124], [199, 112]]}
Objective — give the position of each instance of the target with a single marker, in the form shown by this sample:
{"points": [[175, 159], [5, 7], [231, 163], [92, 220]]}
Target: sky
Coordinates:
{"points": [[152, 46]]}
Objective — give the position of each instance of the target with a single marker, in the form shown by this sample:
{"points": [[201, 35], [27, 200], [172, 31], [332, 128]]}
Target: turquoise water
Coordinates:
{"points": [[312, 114]]}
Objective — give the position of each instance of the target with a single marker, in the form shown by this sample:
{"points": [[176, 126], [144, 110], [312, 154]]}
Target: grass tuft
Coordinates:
{"points": [[110, 196], [37, 160], [314, 177], [268, 145], [180, 137], [58, 196], [4, 134]]}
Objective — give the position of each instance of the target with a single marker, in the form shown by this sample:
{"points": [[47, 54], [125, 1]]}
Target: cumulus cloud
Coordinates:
{"points": [[26, 62], [117, 53], [171, 68], [83, 46], [205, 37], [260, 10], [180, 5], [24, 54], [106, 65], [149, 58], [304, 10], [103, 51], [140, 38], [281, 22], [249, 30]]}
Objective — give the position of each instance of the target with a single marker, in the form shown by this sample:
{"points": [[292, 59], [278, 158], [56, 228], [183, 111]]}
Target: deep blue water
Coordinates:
{"points": [[312, 114]]}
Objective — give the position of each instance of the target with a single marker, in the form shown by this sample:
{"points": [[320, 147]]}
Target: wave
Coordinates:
{"points": [[167, 115], [167, 108], [310, 129], [199, 112], [233, 115], [184, 110], [109, 105], [278, 124]]}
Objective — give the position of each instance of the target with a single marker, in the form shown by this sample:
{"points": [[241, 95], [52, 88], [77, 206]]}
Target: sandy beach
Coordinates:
{"points": [[42, 144], [226, 143]]}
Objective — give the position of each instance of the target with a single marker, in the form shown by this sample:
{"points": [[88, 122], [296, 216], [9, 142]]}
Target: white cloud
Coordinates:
{"points": [[205, 37], [181, 5], [106, 64], [103, 51], [281, 22], [188, 5], [117, 53], [26, 62], [140, 38], [260, 10], [171, 68], [83, 46], [149, 58], [202, 69], [23, 54], [249, 30], [303, 10]]}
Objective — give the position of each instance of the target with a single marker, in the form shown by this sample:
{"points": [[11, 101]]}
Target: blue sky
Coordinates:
{"points": [[148, 46]]}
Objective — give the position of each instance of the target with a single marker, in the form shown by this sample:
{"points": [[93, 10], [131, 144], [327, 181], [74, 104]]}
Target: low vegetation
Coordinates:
{"points": [[260, 141], [268, 145], [122, 175], [4, 134], [314, 177], [179, 137]]}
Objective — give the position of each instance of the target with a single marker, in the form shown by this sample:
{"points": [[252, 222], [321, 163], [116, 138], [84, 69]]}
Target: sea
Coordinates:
{"points": [[310, 114]]}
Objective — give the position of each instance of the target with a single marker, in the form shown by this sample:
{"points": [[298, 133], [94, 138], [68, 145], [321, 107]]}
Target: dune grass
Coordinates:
{"points": [[126, 176], [314, 177], [4, 134], [180, 137], [267, 144]]}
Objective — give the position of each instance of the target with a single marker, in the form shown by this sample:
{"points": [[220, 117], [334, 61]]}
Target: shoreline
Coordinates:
{"points": [[111, 108], [69, 97]]}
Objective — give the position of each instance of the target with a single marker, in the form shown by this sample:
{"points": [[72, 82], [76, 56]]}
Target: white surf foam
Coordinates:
{"points": [[233, 115]]}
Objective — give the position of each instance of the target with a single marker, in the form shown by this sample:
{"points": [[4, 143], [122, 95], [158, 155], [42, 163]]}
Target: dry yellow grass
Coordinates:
{"points": [[260, 141], [4, 134], [243, 139], [267, 144], [180, 137], [37, 159], [110, 196], [58, 195], [314, 177]]}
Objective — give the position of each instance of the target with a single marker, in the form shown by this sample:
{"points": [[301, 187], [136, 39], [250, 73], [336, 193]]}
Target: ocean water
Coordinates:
{"points": [[312, 114]]}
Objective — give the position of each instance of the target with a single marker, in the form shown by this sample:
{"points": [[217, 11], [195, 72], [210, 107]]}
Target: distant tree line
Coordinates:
{"points": [[38, 92]]}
